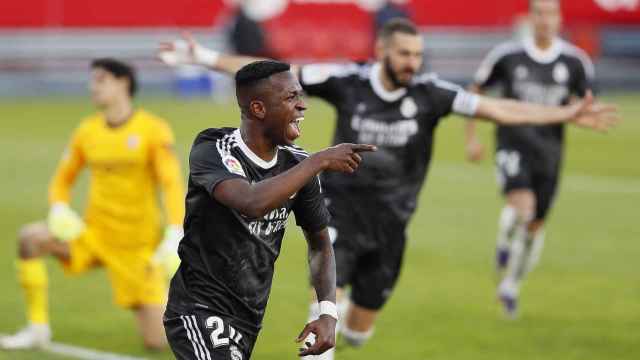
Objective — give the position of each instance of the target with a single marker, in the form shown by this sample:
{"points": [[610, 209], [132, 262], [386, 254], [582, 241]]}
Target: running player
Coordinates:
{"points": [[540, 68], [243, 183], [389, 104], [129, 152]]}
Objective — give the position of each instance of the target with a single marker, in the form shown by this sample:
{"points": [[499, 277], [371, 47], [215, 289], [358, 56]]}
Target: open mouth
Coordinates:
{"points": [[294, 127]]}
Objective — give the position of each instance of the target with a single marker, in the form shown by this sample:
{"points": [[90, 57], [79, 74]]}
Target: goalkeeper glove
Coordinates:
{"points": [[64, 223], [166, 254], [187, 52]]}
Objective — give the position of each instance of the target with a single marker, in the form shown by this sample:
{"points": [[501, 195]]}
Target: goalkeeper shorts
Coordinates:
{"points": [[134, 279]]}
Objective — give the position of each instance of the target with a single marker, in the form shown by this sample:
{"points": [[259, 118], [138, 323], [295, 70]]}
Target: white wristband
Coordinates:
{"points": [[204, 56], [328, 308]]}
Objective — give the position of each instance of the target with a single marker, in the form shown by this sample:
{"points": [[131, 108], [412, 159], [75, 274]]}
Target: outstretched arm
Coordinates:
{"points": [[585, 113], [257, 199], [188, 51], [322, 266]]}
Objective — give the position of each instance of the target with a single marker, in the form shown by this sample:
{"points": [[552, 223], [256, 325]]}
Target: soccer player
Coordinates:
{"points": [[243, 184], [540, 68], [129, 153], [387, 103]]}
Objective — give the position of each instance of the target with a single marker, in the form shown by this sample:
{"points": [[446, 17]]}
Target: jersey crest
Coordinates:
{"points": [[408, 108], [521, 72], [133, 141], [560, 73]]}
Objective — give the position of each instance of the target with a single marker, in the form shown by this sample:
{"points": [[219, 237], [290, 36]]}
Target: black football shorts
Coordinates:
{"points": [[368, 242], [205, 336], [517, 169]]}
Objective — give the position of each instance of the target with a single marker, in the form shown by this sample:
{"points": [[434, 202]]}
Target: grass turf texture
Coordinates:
{"points": [[581, 303]]}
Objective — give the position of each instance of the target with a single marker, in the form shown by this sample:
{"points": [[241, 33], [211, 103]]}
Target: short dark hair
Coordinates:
{"points": [[397, 25], [256, 71], [118, 69]]}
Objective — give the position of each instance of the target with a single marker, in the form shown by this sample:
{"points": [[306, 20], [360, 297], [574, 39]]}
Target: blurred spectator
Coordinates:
{"points": [[246, 36]]}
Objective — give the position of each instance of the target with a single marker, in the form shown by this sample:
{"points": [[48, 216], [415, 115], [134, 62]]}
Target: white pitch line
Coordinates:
{"points": [[78, 352]]}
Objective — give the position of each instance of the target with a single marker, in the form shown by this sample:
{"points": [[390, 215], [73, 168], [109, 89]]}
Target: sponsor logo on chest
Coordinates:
{"points": [[271, 223], [395, 133], [527, 87]]}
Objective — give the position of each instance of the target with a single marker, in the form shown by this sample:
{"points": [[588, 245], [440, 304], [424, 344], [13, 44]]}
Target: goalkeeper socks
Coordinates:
{"points": [[32, 275]]}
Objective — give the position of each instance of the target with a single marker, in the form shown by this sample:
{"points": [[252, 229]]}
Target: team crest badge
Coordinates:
{"points": [[235, 353], [560, 73], [408, 108], [233, 165], [133, 141], [521, 72]]}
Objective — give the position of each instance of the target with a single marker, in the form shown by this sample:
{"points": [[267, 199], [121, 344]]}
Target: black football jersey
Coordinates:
{"points": [[401, 123], [522, 71], [228, 258]]}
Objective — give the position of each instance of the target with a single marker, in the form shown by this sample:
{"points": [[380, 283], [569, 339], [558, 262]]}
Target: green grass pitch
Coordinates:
{"points": [[583, 301]]}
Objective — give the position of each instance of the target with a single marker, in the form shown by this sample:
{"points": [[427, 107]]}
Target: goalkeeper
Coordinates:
{"points": [[129, 153]]}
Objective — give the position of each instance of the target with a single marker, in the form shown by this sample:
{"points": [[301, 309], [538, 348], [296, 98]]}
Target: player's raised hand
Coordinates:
{"points": [[594, 115], [186, 51], [325, 331], [343, 157]]}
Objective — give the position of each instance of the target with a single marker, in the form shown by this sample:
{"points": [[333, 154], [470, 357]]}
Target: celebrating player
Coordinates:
{"points": [[129, 152], [543, 69], [388, 104], [243, 183]]}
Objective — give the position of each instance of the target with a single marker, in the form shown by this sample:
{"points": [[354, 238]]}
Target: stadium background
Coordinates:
{"points": [[582, 303]]}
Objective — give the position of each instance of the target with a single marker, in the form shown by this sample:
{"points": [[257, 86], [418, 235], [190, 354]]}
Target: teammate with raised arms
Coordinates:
{"points": [[540, 68]]}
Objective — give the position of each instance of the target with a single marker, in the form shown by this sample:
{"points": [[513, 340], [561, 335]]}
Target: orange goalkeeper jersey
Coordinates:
{"points": [[127, 165]]}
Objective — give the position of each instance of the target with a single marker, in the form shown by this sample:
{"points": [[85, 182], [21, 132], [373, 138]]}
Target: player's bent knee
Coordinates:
{"points": [[356, 338], [30, 238]]}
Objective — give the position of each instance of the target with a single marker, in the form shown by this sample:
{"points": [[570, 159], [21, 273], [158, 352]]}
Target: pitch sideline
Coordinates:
{"points": [[78, 352]]}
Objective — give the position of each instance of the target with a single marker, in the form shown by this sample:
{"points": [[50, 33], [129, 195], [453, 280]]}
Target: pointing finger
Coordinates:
{"points": [[363, 147]]}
